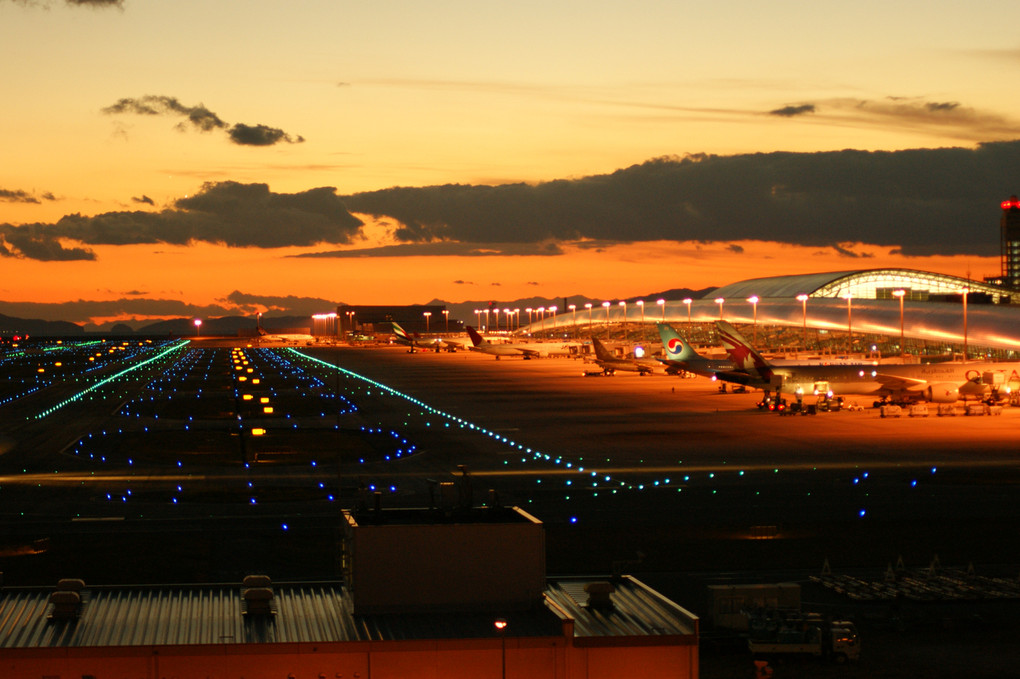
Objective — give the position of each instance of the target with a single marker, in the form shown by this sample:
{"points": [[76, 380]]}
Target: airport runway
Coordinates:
{"points": [[691, 467], [146, 481], [670, 468]]}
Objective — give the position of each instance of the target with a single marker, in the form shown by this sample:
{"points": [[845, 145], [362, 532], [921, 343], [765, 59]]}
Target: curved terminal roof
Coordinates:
{"points": [[861, 284], [871, 308]]}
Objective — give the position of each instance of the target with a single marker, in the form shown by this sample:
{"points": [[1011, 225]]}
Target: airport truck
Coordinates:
{"points": [[804, 635]]}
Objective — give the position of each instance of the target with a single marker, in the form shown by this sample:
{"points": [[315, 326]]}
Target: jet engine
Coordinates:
{"points": [[942, 393]]}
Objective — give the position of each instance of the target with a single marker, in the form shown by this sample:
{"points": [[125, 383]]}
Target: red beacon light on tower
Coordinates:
{"points": [[1012, 204]]}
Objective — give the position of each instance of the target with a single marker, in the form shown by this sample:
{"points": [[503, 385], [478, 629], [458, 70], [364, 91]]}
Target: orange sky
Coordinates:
{"points": [[205, 274], [365, 96]]}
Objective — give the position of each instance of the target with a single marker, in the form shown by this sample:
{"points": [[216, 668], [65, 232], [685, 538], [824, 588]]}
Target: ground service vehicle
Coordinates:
{"points": [[808, 634]]}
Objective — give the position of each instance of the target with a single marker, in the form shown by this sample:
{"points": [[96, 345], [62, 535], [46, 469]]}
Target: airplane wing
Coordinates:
{"points": [[900, 383]]}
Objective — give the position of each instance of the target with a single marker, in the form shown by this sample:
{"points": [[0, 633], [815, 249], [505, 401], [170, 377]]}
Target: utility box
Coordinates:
{"points": [[426, 560]]}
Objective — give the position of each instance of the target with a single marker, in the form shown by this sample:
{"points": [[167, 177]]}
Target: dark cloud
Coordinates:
{"points": [[846, 252], [153, 105], [289, 305], [447, 249], [36, 246], [791, 111], [260, 135], [227, 213], [947, 119], [201, 118], [144, 200], [736, 249], [925, 201], [11, 196]]}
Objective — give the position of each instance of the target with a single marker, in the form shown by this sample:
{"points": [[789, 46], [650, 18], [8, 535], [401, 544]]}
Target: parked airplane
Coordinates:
{"points": [[680, 355], [527, 350], [935, 382], [401, 336], [610, 363]]}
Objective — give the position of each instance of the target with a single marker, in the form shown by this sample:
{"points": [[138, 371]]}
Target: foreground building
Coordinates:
{"points": [[465, 599]]}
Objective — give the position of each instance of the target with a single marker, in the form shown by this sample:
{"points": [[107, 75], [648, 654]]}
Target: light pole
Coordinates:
{"points": [[446, 318], [849, 325], [900, 294], [687, 301], [552, 313], [965, 291], [427, 314], [662, 309], [350, 320], [198, 327], [495, 319], [753, 299], [517, 319], [573, 317], [641, 304], [528, 309], [802, 298], [605, 305], [623, 303], [719, 301], [501, 630], [541, 318], [486, 319], [587, 305], [478, 318]]}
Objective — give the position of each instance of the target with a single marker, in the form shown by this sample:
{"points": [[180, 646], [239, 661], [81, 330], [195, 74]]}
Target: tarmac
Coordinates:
{"points": [[662, 477]]}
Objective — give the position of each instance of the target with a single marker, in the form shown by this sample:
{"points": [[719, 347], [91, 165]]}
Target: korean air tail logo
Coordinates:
{"points": [[675, 346]]}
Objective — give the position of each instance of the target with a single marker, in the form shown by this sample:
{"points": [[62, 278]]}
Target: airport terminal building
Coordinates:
{"points": [[904, 306]]}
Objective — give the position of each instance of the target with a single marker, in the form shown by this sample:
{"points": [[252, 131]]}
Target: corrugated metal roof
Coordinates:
{"points": [[635, 610], [308, 612]]}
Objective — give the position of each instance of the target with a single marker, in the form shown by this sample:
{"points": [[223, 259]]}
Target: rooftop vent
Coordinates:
{"points": [[599, 594], [66, 600], [257, 595]]}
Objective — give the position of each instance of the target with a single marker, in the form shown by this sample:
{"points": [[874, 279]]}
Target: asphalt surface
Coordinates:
{"points": [[659, 476]]}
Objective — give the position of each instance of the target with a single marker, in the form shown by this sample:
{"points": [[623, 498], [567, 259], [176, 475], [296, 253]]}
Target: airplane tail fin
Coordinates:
{"points": [[402, 334], [676, 347], [476, 339], [601, 353], [740, 351]]}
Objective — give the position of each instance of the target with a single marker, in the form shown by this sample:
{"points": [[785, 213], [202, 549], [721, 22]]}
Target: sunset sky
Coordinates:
{"points": [[207, 158]]}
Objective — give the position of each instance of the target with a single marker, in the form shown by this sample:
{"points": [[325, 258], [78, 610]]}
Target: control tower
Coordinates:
{"points": [[1010, 224]]}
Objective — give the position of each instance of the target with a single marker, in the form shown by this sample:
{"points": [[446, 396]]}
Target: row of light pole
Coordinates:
{"points": [[752, 300], [509, 314], [802, 298], [446, 317]]}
